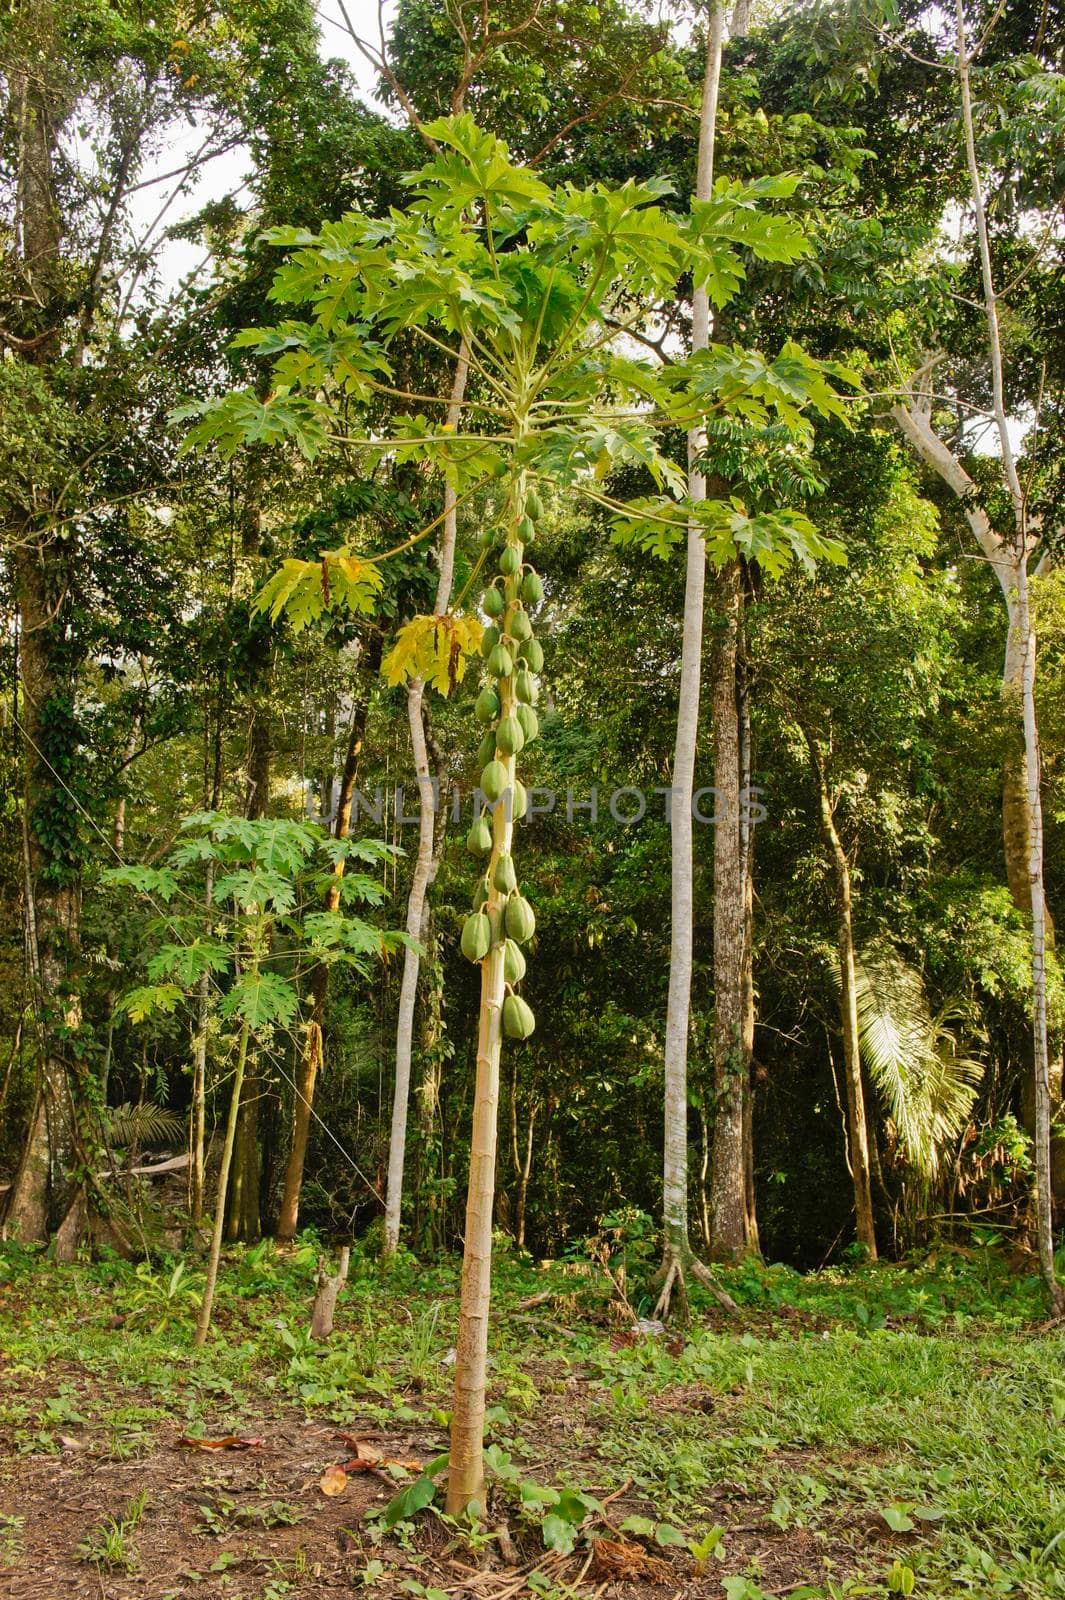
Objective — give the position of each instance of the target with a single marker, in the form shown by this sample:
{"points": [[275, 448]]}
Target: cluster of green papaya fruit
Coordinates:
{"points": [[507, 705]]}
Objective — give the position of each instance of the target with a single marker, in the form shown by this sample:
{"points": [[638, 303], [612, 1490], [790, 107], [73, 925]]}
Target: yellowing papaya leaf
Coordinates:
{"points": [[302, 590], [435, 649]]}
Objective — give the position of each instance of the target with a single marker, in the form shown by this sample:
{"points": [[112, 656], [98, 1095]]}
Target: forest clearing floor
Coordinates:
{"points": [[882, 1430]]}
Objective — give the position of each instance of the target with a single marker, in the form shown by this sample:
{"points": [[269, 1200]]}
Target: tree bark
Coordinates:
{"points": [[747, 999], [465, 1484], [245, 1221], [677, 1249], [857, 1131], [311, 1056], [1022, 827], [43, 1192], [728, 1191], [427, 859], [207, 1304], [327, 1288]]}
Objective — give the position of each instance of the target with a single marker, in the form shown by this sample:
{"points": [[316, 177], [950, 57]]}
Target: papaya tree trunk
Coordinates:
{"points": [[427, 859], [465, 1485]]}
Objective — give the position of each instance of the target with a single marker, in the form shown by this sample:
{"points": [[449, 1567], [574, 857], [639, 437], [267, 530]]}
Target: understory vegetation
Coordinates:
{"points": [[855, 1432]]}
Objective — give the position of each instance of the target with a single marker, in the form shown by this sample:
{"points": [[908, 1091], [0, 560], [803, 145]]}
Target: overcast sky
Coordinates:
{"points": [[175, 259]]}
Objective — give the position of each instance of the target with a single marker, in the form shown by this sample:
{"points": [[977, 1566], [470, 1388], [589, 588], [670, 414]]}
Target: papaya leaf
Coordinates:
{"points": [[139, 1004], [187, 962], [260, 999], [433, 648]]}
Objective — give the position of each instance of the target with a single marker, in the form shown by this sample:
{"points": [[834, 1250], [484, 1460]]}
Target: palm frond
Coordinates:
{"points": [[926, 1082], [143, 1124]]}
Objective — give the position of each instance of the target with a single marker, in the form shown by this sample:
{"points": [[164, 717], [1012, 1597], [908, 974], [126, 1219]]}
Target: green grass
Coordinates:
{"points": [[907, 1424]]}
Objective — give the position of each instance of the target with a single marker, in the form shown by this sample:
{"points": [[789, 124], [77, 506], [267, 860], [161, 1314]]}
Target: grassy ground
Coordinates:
{"points": [[882, 1431]]}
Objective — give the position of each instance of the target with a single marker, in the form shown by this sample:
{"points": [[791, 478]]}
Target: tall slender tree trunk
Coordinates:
{"points": [[728, 1192], [245, 1220], [522, 1163], [857, 1128], [207, 1303], [747, 999], [1009, 560], [465, 1484], [677, 1248], [44, 1194], [311, 1055], [426, 861], [1041, 1062]]}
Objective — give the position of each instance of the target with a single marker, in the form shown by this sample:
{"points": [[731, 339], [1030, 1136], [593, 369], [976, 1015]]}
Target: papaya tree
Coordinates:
{"points": [[539, 285], [266, 876]]}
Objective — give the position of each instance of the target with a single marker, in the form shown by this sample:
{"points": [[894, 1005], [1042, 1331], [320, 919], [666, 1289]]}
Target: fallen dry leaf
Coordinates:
{"points": [[618, 1559], [231, 1441], [365, 1452], [67, 1443], [334, 1481], [368, 1457]]}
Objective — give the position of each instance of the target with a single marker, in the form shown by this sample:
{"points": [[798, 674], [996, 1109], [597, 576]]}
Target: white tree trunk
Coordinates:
{"points": [[675, 1163], [1009, 560], [425, 863]]}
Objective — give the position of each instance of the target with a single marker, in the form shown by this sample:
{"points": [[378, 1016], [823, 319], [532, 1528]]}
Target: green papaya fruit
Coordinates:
{"points": [[519, 919], [532, 587], [489, 640], [526, 687], [486, 706], [518, 626], [495, 922], [526, 529], [534, 506], [501, 662], [479, 838], [486, 750], [493, 602], [488, 538], [510, 560], [532, 653], [530, 722], [476, 937], [480, 894], [519, 801], [509, 736], [513, 962], [504, 877], [518, 1019], [493, 781]]}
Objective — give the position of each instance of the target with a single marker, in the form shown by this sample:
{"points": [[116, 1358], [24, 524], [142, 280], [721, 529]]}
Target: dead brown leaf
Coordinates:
{"points": [[619, 1559], [230, 1441]]}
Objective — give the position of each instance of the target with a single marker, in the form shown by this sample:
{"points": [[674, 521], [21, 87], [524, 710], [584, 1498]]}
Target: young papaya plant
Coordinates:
{"points": [[267, 873], [540, 286]]}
